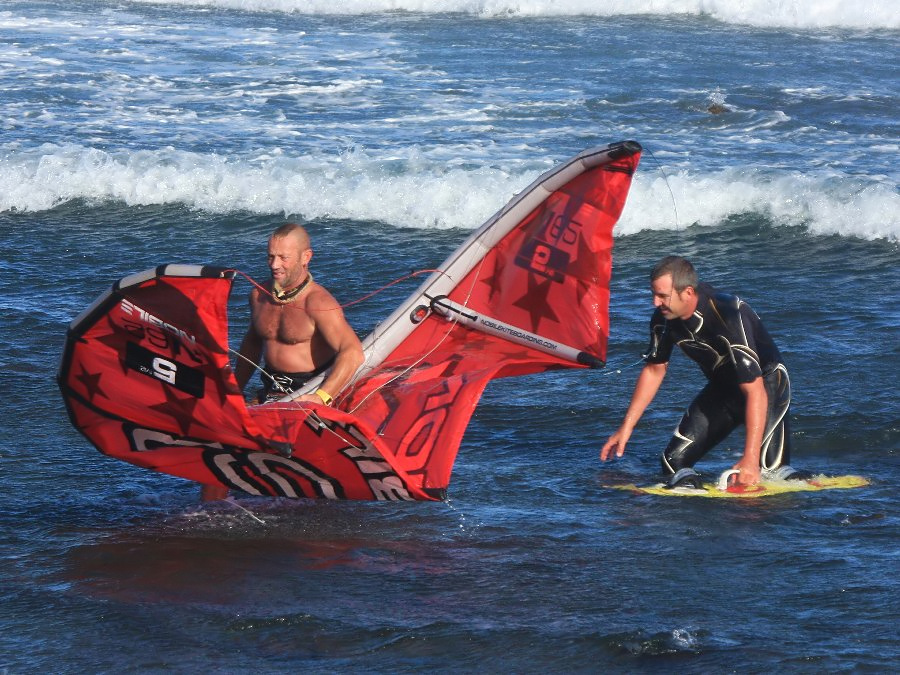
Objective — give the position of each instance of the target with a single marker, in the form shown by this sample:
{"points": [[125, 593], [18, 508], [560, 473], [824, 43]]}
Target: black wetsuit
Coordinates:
{"points": [[730, 344]]}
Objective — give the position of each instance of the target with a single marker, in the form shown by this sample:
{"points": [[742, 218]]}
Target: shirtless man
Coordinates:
{"points": [[747, 381], [298, 327]]}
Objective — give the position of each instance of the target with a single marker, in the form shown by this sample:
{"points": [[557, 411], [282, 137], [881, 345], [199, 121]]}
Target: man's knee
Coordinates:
{"points": [[678, 454]]}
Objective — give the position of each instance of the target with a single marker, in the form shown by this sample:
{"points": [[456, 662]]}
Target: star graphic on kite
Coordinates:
{"points": [[91, 383], [286, 426], [181, 410], [535, 302], [493, 282]]}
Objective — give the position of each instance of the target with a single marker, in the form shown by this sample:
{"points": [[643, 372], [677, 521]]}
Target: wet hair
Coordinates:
{"points": [[683, 273]]}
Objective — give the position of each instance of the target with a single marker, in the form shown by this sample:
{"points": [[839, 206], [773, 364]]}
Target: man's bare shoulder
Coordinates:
{"points": [[319, 299]]}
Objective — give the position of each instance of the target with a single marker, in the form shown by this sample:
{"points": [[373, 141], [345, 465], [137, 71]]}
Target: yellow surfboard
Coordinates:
{"points": [[763, 489]]}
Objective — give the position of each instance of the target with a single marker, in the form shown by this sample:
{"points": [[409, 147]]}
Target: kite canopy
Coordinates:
{"points": [[146, 374]]}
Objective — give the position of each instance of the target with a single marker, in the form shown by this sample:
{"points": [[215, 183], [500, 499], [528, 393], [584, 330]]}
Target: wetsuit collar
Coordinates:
{"points": [[695, 321]]}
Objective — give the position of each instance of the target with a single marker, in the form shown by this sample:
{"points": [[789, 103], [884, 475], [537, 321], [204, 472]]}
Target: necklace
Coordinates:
{"points": [[283, 297]]}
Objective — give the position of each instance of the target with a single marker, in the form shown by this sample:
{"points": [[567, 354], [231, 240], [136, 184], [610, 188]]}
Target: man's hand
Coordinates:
{"points": [[644, 390], [617, 443], [749, 472]]}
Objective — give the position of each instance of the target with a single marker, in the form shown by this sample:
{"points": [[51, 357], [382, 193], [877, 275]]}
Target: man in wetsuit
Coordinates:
{"points": [[747, 381], [298, 327]]}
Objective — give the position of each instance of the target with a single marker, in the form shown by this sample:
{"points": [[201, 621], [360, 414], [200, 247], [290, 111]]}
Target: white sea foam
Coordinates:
{"points": [[804, 14], [825, 203], [410, 188]]}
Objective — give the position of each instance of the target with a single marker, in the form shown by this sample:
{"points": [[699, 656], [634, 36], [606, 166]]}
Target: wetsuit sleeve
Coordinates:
{"points": [[743, 342], [660, 348]]}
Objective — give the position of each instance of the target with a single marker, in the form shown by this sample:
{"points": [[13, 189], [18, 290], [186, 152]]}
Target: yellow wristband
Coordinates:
{"points": [[325, 396]]}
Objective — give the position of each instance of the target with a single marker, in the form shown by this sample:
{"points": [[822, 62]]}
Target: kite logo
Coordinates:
{"points": [[133, 310], [182, 377], [144, 440], [543, 259], [164, 370], [385, 484], [261, 473]]}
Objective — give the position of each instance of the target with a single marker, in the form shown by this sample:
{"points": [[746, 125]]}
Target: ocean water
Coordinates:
{"points": [[139, 133]]}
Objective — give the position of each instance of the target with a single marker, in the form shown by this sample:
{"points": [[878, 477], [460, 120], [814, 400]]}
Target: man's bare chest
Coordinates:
{"points": [[287, 324]]}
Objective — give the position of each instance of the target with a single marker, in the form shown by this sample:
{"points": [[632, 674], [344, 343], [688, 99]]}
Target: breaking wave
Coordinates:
{"points": [[410, 189], [803, 14]]}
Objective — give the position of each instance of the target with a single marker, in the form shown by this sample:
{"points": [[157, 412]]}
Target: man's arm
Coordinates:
{"points": [[251, 348], [755, 407], [333, 327], [645, 389]]}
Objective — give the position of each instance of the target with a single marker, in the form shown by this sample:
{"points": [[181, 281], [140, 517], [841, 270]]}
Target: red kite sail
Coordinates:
{"points": [[146, 374]]}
